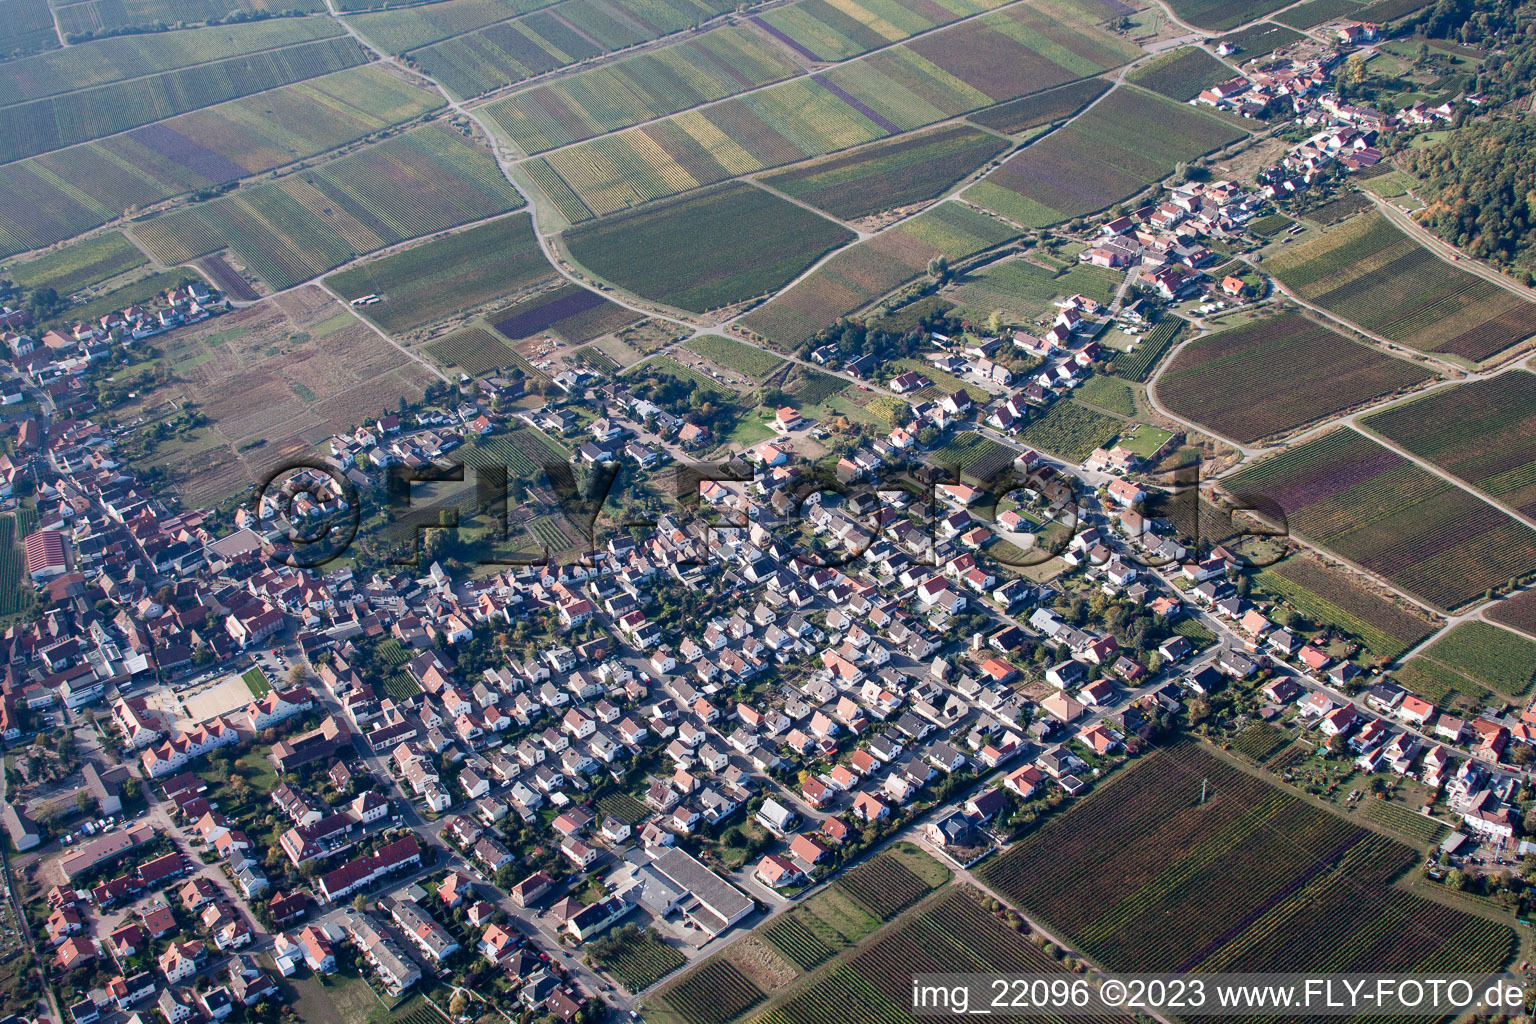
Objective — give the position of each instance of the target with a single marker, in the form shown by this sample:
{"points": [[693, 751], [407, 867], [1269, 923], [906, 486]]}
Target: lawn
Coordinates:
{"points": [[256, 679], [710, 250]]}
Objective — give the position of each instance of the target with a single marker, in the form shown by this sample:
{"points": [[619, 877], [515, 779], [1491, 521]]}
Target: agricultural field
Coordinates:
{"points": [[1181, 74], [575, 313], [1328, 597], [738, 356], [48, 198], [450, 274], [28, 28], [1517, 611], [1398, 818], [79, 265], [1058, 104], [1338, 209], [533, 44], [1138, 365], [275, 378], [79, 18], [823, 31], [1025, 290], [1269, 225], [1071, 431], [1369, 273], [53, 123], [1143, 875], [103, 61], [1260, 741], [713, 994], [1108, 394], [862, 273], [722, 62], [1482, 432], [1315, 12], [13, 566], [1102, 157], [1494, 658], [975, 457], [901, 172], [991, 59], [1257, 40], [638, 961], [298, 227], [812, 387], [400, 30], [1219, 15], [473, 350], [712, 250], [1382, 512], [954, 932], [1230, 381]]}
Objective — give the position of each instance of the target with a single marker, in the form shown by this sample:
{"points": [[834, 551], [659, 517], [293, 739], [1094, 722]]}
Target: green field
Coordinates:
{"points": [[1025, 290], [1382, 512], [1187, 863], [78, 18], [474, 350], [1102, 157], [79, 264], [720, 63], [28, 28], [883, 176], [575, 313], [1227, 381], [1219, 15], [534, 44], [1369, 273], [43, 117], [409, 25], [736, 355], [863, 273], [901, 89], [256, 680], [457, 272], [1329, 597], [1071, 431], [1181, 74], [1482, 432], [711, 250], [1257, 40], [1108, 394], [1043, 108], [1138, 365], [48, 198], [298, 227], [1489, 656]]}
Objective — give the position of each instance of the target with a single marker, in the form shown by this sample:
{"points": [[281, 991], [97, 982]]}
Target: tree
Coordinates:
{"points": [[995, 322], [83, 802], [938, 268], [459, 1004], [1456, 879], [297, 675]]}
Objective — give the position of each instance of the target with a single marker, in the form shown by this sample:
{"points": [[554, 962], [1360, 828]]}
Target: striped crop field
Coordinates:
{"points": [[1107, 154], [859, 275], [1369, 273], [899, 172], [298, 227], [720, 63], [706, 251], [1482, 432], [492, 262], [48, 198], [826, 31], [1227, 380], [1146, 875], [533, 44], [1371, 506], [994, 58]]}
